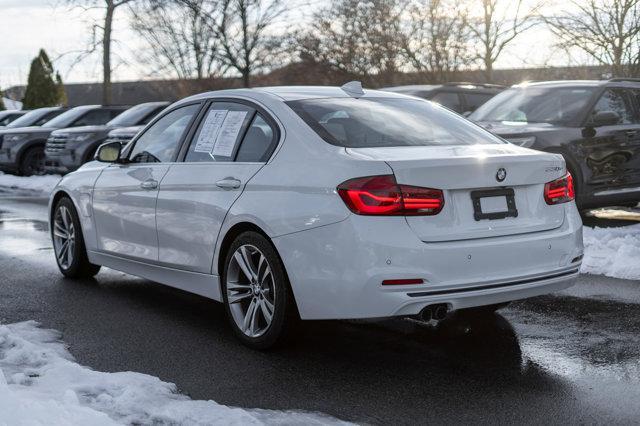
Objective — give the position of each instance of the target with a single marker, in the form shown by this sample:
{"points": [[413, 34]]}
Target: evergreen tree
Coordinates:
{"points": [[1, 103], [42, 89], [62, 94]]}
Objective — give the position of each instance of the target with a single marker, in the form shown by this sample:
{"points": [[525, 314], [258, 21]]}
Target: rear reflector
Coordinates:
{"points": [[382, 196], [403, 282], [560, 190]]}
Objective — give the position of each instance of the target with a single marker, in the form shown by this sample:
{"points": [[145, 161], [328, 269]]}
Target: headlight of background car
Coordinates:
{"points": [[525, 142], [81, 137]]}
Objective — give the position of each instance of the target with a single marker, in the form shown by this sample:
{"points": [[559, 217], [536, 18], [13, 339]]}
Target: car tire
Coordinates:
{"points": [[32, 162], [256, 293], [68, 242]]}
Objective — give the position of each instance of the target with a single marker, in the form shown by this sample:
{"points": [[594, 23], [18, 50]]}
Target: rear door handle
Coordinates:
{"points": [[149, 184], [228, 183], [631, 132]]}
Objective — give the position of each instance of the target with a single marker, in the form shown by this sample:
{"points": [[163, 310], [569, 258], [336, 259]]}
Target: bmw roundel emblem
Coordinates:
{"points": [[501, 174]]}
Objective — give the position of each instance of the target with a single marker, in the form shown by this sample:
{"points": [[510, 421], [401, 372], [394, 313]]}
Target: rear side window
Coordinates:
{"points": [[448, 99], [258, 143], [220, 132], [388, 122], [616, 100]]}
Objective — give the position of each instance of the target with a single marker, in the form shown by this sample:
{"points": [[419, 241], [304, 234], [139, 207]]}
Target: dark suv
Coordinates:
{"points": [[595, 125], [22, 148], [462, 98], [68, 149]]}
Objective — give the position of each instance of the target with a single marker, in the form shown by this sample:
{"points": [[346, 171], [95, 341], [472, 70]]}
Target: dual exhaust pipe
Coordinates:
{"points": [[436, 312]]}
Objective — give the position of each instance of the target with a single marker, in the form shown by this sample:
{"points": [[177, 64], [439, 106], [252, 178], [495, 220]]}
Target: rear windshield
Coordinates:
{"points": [[536, 105], [387, 122]]}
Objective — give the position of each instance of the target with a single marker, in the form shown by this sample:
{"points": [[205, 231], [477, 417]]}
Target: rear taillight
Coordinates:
{"points": [[560, 190], [382, 196]]}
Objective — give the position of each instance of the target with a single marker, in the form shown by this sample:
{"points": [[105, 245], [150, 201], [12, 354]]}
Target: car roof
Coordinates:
{"points": [[454, 86], [291, 93], [614, 82]]}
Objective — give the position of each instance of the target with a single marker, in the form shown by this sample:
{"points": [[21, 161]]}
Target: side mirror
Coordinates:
{"points": [[109, 152], [605, 118]]}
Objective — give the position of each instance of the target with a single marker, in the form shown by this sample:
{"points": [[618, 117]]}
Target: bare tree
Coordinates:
{"points": [[180, 36], [497, 24], [357, 38], [102, 36], [437, 38], [606, 30]]}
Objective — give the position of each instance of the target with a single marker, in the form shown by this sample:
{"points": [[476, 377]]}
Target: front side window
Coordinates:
{"points": [[160, 143], [536, 105], [220, 132], [388, 122], [616, 101]]}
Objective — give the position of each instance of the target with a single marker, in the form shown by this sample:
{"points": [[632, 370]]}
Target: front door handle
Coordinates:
{"points": [[631, 133], [229, 183], [149, 184]]}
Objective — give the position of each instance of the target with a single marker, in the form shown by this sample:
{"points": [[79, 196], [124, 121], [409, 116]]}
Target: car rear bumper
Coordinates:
{"points": [[336, 271]]}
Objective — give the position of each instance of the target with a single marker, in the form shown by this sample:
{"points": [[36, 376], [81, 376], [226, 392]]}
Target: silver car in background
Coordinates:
{"points": [[311, 203]]}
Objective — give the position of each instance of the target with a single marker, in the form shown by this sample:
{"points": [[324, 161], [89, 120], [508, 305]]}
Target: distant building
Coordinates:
{"points": [[300, 73]]}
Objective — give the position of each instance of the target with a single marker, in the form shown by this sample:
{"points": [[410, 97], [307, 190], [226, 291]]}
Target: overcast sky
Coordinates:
{"points": [[28, 25]]}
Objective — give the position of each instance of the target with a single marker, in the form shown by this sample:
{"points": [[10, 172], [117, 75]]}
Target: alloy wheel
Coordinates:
{"points": [[64, 237], [251, 290]]}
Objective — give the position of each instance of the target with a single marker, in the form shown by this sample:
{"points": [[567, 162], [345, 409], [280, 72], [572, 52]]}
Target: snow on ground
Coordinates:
{"points": [[41, 384], [40, 184], [614, 252]]}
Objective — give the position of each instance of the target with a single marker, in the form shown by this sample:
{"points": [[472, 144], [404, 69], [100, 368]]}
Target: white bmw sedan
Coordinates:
{"points": [[311, 203]]}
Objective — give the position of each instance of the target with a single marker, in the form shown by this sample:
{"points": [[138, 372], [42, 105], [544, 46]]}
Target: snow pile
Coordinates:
{"points": [[614, 252], [43, 184], [41, 384]]}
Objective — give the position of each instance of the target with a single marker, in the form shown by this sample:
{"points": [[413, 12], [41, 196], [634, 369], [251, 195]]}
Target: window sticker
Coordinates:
{"points": [[228, 134], [210, 130]]}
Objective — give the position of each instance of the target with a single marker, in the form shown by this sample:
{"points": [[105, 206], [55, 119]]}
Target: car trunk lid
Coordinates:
{"points": [[477, 203]]}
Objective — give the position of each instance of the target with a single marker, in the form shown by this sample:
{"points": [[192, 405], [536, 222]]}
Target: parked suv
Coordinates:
{"points": [[22, 149], [6, 117], [459, 97], [595, 125], [68, 149]]}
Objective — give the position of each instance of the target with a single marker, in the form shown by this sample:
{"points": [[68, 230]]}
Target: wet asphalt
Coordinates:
{"points": [[571, 357]]}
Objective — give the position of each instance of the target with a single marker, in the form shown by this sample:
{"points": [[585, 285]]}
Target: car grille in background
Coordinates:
{"points": [[56, 144]]}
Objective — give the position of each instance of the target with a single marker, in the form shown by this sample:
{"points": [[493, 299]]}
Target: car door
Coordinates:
{"points": [[232, 142], [124, 197], [610, 158]]}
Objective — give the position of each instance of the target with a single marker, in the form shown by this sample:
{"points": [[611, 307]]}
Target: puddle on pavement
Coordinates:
{"points": [[22, 237], [23, 225]]}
